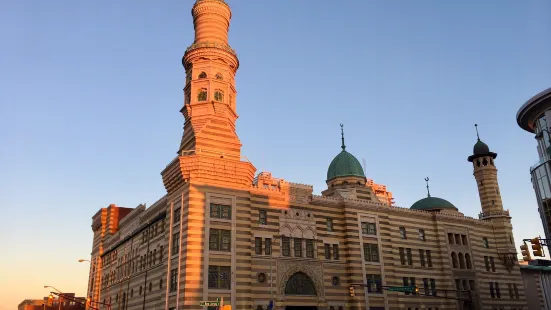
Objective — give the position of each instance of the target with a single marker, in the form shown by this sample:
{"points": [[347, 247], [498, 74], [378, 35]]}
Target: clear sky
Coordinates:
{"points": [[90, 93]]}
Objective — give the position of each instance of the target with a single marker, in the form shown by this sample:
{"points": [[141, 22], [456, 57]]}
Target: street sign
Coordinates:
{"points": [[408, 289], [209, 303]]}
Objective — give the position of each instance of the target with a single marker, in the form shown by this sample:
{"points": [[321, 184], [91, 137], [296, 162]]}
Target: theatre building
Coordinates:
{"points": [[225, 230]]}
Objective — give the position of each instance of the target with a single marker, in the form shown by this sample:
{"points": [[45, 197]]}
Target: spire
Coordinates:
{"points": [[428, 190], [476, 128], [342, 138]]}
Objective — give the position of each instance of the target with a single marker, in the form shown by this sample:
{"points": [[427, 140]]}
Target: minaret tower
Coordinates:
{"points": [[485, 173], [209, 92]]}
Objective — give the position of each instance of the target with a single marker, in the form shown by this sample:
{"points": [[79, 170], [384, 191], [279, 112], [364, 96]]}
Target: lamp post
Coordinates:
{"points": [[98, 283], [60, 294]]}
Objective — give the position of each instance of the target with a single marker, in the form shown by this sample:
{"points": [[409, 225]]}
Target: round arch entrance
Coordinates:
{"points": [[300, 284]]}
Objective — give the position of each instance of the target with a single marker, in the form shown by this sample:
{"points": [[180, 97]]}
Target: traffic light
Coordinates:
{"points": [[50, 300], [536, 247], [226, 307], [416, 290], [352, 294], [525, 253]]}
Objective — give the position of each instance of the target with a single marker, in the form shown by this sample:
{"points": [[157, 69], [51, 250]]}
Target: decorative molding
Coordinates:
{"points": [[285, 269]]}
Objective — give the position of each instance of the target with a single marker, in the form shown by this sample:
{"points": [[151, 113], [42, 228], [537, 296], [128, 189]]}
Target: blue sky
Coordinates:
{"points": [[90, 94]]}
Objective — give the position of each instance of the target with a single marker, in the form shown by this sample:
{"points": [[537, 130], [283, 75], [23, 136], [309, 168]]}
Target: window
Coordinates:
{"points": [[329, 224], [374, 283], [371, 252], [515, 288], [461, 261], [155, 257], [298, 247], [161, 253], [218, 95], [412, 283], [422, 235], [335, 251], [202, 95], [173, 280], [464, 239], [220, 240], [429, 258], [286, 246], [426, 286], [258, 245], [160, 283], [410, 258], [310, 248], [262, 217], [327, 251], [487, 263], [510, 287], [220, 211], [492, 293], [150, 286], [177, 215], [468, 261], [485, 242], [492, 264], [498, 294], [457, 239], [450, 238], [219, 277], [219, 76], [175, 243], [422, 257], [433, 287], [402, 256], [405, 281], [455, 261], [403, 233], [369, 228], [202, 75], [268, 246]]}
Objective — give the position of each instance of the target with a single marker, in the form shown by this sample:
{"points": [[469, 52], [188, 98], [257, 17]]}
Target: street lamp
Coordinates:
{"points": [[98, 283], [59, 295]]}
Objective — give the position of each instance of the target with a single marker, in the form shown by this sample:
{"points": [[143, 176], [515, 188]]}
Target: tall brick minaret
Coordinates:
{"points": [[209, 92], [210, 151]]}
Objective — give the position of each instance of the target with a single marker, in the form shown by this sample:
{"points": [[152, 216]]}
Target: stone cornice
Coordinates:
{"points": [[210, 50]]}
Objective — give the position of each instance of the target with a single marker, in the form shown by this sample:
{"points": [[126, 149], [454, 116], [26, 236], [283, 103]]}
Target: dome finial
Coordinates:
{"points": [[476, 128], [428, 190], [342, 138]]}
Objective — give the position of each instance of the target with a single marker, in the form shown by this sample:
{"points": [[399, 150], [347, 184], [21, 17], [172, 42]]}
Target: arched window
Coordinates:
{"points": [[455, 264], [202, 95], [219, 76], [461, 261], [300, 284], [219, 95], [155, 257], [468, 261], [202, 75]]}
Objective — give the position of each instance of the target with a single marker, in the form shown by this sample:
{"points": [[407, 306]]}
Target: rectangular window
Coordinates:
{"points": [[176, 243], [433, 287], [450, 238], [335, 251], [364, 228], [405, 281], [298, 247], [369, 228], [485, 242], [220, 211], [498, 293], [219, 277], [268, 246], [173, 280], [410, 257], [403, 233], [327, 251], [492, 264], [286, 246], [329, 224], [412, 283], [402, 256], [422, 235], [310, 248], [371, 252], [515, 288], [220, 240], [487, 263], [510, 287], [422, 257], [492, 294], [426, 286], [263, 217], [177, 215], [429, 258], [258, 245], [464, 239], [374, 283]]}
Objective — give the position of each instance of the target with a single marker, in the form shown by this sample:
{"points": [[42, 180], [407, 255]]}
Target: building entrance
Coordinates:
{"points": [[300, 308]]}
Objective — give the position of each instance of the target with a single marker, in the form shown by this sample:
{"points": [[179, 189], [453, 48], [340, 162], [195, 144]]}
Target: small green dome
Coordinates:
{"points": [[345, 165], [480, 148], [432, 203]]}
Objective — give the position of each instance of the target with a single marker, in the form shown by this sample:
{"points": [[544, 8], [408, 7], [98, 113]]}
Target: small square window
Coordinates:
{"points": [[422, 235], [403, 233]]}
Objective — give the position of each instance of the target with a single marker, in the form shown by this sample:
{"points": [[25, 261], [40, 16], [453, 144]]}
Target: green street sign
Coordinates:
{"points": [[209, 303], [408, 289]]}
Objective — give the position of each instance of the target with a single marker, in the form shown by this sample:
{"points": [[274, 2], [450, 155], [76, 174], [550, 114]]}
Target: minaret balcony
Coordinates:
{"points": [[493, 214], [210, 44]]}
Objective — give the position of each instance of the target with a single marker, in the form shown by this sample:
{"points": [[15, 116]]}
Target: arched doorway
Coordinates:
{"points": [[300, 284]]}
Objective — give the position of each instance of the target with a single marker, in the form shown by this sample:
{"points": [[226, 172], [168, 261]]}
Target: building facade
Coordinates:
{"points": [[69, 303], [225, 231], [532, 117], [537, 283]]}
